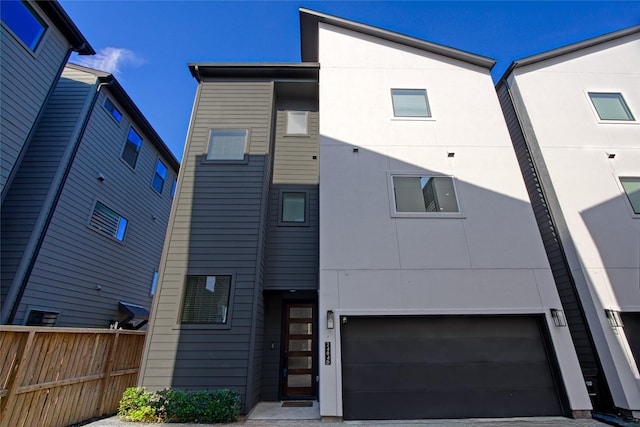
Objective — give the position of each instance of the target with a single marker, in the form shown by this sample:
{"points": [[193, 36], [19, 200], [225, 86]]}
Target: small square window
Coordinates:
{"points": [[159, 177], [115, 113], [227, 145], [631, 187], [132, 148], [428, 194], [297, 123], [108, 222], [24, 22], [611, 106], [206, 300], [294, 209], [410, 103]]}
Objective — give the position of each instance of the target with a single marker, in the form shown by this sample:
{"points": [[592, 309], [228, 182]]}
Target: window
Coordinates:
{"points": [[24, 22], [108, 222], [42, 318], [293, 209], [115, 113], [160, 176], [154, 283], [297, 122], [632, 190], [434, 194], [227, 145], [611, 106], [206, 299], [410, 103], [173, 188], [132, 148]]}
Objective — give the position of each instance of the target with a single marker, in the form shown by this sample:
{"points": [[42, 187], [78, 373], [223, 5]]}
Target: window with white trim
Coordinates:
{"points": [[108, 222], [297, 122], [424, 194], [227, 144], [132, 148], [631, 187], [206, 300], [410, 103], [24, 22], [159, 177], [611, 106]]}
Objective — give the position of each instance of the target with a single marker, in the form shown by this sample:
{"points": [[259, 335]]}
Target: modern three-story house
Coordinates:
{"points": [[355, 228]]}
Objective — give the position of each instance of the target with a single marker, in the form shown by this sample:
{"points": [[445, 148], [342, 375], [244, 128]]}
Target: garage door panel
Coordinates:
{"points": [[446, 349], [496, 367], [443, 404], [450, 376]]}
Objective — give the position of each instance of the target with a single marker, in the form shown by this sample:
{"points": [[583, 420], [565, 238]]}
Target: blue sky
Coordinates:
{"points": [[147, 44]]}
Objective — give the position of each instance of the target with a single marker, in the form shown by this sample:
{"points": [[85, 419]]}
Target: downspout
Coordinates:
{"points": [[52, 207]]}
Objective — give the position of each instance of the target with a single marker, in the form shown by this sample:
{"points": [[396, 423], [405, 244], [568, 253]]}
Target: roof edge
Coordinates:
{"points": [[66, 26], [570, 48], [309, 20], [132, 110], [272, 70]]}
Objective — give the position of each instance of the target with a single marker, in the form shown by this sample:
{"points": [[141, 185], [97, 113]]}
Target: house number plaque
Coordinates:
{"points": [[327, 353]]}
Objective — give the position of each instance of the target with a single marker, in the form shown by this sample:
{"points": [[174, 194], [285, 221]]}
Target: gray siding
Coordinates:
{"points": [[74, 260], [537, 190], [216, 229], [37, 180], [27, 78]]}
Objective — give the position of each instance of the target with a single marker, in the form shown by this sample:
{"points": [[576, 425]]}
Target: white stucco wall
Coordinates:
{"points": [[488, 259], [575, 143]]}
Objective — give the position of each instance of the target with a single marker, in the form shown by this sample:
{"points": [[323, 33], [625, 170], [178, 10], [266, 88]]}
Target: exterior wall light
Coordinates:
{"points": [[558, 317], [330, 320], [614, 318]]}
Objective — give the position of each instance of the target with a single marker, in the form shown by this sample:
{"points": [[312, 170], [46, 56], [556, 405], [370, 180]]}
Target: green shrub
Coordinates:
{"points": [[138, 405], [180, 406]]}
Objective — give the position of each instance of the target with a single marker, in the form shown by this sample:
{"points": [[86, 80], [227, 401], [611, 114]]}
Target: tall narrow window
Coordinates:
{"points": [[160, 176], [154, 283], [108, 222], [410, 103], [132, 148], [173, 188], [297, 122], [631, 187], [24, 22], [115, 113], [294, 208], [227, 145], [611, 106], [206, 299], [424, 194]]}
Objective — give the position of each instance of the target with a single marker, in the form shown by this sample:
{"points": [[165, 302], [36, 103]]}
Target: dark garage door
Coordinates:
{"points": [[446, 367]]}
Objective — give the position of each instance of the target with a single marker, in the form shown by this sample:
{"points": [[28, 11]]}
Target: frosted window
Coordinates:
{"points": [[611, 106], [410, 103], [227, 145]]}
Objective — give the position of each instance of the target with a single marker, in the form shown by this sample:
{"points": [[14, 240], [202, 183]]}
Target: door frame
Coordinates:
{"points": [[314, 349]]}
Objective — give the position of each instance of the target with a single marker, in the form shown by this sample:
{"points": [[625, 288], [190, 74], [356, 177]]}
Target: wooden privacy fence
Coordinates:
{"points": [[53, 377]]}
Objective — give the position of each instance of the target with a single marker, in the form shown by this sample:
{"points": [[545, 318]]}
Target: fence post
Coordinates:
{"points": [[18, 377], [107, 373]]}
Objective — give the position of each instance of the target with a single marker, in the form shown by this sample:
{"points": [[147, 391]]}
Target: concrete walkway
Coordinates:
{"points": [[272, 414]]}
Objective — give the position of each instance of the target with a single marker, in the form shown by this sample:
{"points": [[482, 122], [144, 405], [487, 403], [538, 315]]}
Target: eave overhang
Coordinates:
{"points": [[132, 110], [254, 70], [65, 25], [309, 20]]}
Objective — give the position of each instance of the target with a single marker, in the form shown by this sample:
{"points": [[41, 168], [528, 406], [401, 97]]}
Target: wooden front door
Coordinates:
{"points": [[300, 350]]}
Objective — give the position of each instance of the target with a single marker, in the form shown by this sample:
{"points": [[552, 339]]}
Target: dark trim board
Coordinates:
{"points": [[420, 367]]}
